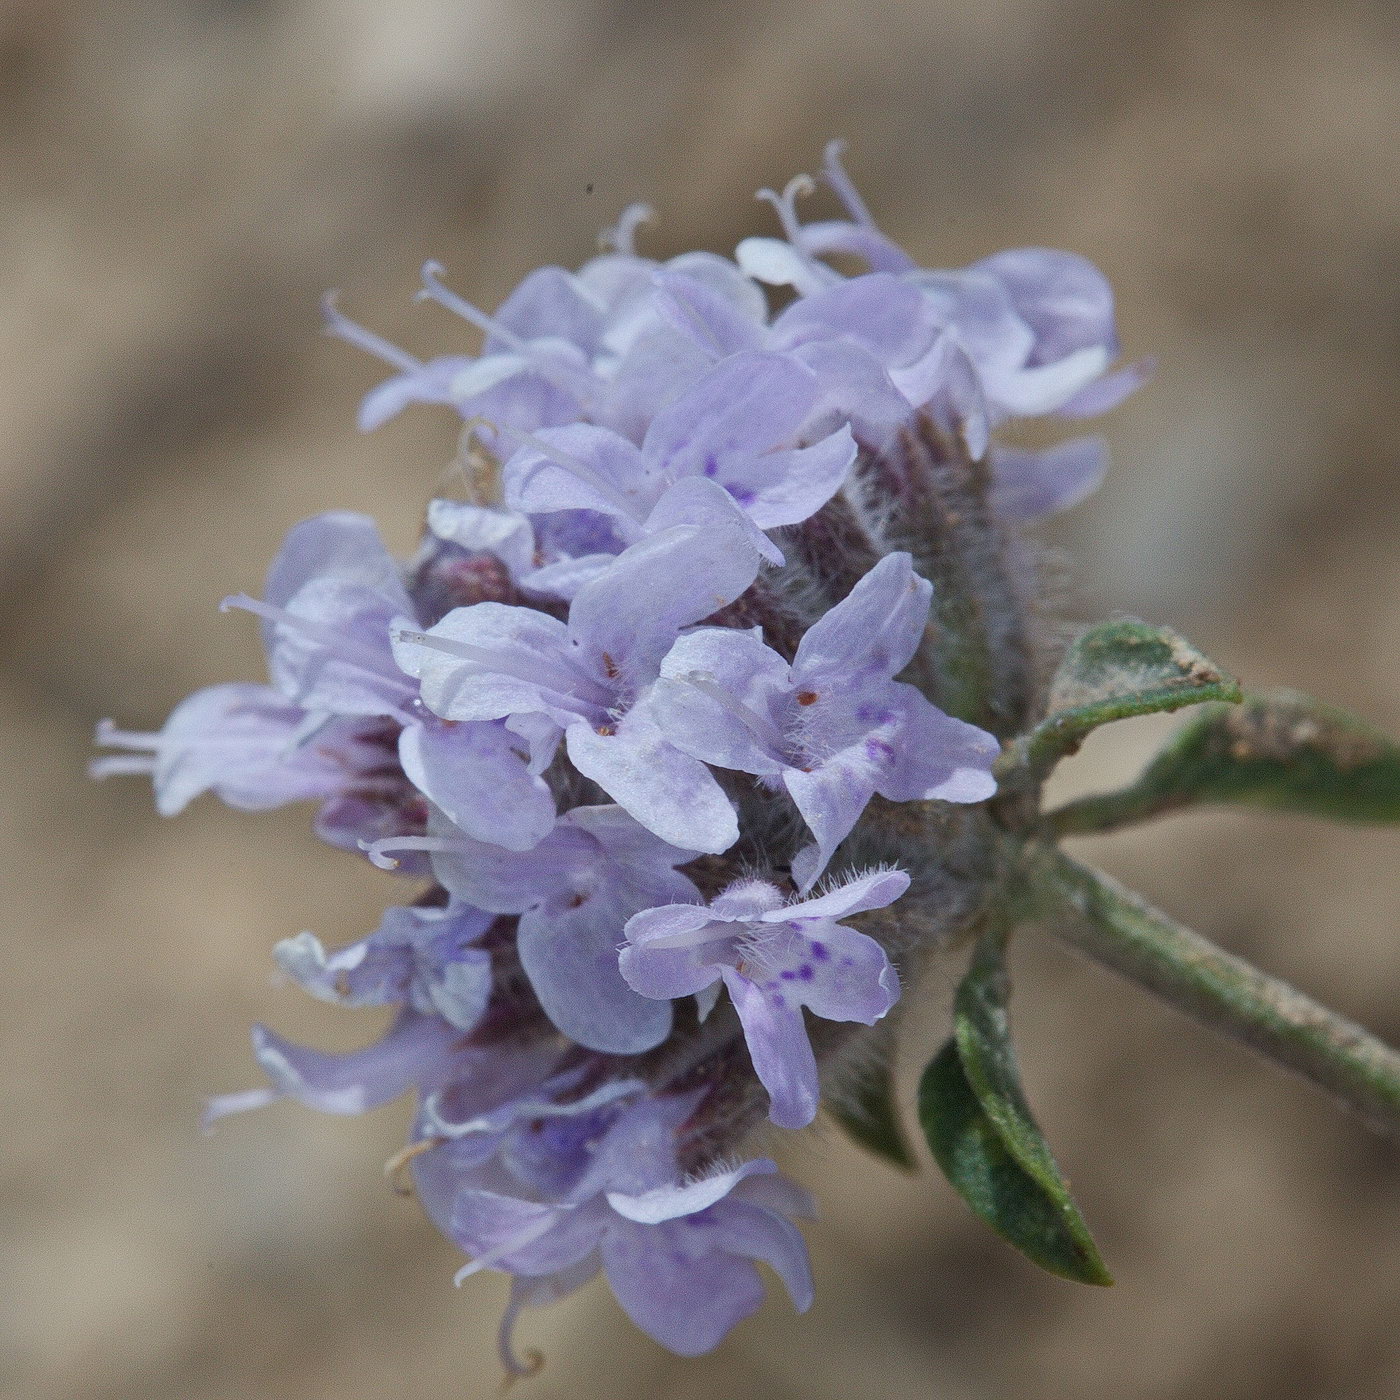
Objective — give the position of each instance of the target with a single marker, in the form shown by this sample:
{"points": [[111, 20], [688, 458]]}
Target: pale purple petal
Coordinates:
{"points": [[840, 974], [1065, 300], [478, 774], [779, 1048], [1030, 485], [415, 1051], [748, 1230], [702, 311], [668, 1202], [696, 500], [338, 544], [875, 889], [629, 616], [568, 947], [656, 965], [677, 1291], [245, 742], [749, 404], [668, 792], [874, 630], [517, 662], [831, 799], [717, 699], [580, 467], [1107, 393], [932, 755]]}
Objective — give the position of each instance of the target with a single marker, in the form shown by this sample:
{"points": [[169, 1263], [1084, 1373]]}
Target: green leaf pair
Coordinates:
{"points": [[983, 1135]]}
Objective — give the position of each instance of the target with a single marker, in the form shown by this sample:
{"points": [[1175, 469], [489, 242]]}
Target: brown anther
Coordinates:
{"points": [[577, 899], [342, 984], [606, 730], [393, 1168], [610, 667], [806, 697]]}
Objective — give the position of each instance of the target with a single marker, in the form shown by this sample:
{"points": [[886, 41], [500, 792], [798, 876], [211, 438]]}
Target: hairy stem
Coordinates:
{"points": [[1116, 927], [1106, 811]]}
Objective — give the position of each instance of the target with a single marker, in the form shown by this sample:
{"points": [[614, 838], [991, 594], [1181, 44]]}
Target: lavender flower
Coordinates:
{"points": [[621, 729], [774, 957]]}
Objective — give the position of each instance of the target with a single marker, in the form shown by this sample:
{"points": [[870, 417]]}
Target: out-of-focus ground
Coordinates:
{"points": [[180, 181]]}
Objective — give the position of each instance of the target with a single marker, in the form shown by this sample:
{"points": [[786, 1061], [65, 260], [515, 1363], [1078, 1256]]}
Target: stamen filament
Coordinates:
{"points": [[343, 328], [528, 1235], [835, 175], [380, 666], [377, 851], [762, 728], [505, 664], [434, 289], [621, 237]]}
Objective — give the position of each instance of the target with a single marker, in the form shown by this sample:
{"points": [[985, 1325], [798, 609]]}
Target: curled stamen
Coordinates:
{"points": [[377, 851], [620, 238], [393, 1168], [760, 726], [786, 205], [834, 173], [434, 289], [343, 328]]}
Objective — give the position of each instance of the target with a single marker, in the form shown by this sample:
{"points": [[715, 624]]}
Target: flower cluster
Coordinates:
{"points": [[626, 712]]}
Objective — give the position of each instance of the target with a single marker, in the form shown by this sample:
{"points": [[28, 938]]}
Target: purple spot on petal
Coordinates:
{"points": [[787, 974], [819, 950], [805, 972], [711, 465], [878, 750], [742, 494]]}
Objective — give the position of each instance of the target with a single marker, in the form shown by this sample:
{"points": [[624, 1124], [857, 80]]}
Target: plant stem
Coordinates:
{"points": [[1118, 928], [1106, 811]]}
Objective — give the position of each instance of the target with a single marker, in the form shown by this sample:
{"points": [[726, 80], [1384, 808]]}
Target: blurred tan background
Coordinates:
{"points": [[181, 178]]}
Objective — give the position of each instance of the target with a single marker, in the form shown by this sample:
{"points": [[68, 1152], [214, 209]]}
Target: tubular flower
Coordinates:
{"points": [[719, 620]]}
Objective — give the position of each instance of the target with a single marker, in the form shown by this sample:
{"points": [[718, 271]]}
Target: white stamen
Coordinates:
{"points": [[115, 765], [506, 664], [435, 290], [621, 237], [835, 175], [109, 736], [786, 205], [377, 850], [528, 1235], [343, 328], [579, 383], [760, 726], [381, 667]]}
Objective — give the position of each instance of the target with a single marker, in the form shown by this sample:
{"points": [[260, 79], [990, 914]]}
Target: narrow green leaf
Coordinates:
{"points": [[967, 1145], [1113, 671], [1278, 749], [870, 1116]]}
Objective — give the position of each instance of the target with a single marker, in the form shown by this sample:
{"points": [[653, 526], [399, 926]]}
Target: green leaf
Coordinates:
{"points": [[992, 1149], [1278, 749], [870, 1117], [1000, 1191], [1116, 670]]}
